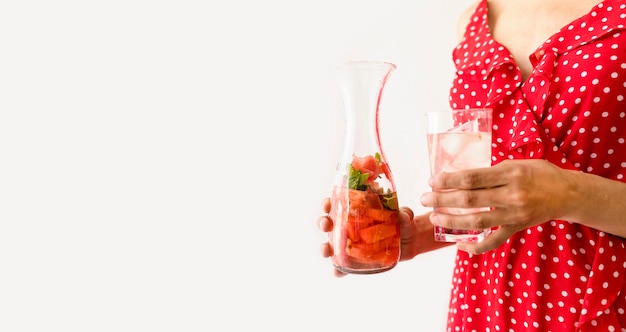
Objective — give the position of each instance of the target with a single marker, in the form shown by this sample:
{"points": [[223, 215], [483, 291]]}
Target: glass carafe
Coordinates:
{"points": [[364, 204]]}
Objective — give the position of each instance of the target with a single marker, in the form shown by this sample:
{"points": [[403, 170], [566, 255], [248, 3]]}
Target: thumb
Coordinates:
{"points": [[407, 212]]}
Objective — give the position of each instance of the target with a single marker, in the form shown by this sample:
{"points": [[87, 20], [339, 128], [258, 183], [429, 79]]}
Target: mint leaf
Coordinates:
{"points": [[390, 201], [356, 179]]}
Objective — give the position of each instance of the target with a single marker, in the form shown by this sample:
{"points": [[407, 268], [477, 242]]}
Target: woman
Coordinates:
{"points": [[554, 71]]}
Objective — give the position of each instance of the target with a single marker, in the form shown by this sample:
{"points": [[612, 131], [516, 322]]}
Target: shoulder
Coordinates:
{"points": [[464, 19]]}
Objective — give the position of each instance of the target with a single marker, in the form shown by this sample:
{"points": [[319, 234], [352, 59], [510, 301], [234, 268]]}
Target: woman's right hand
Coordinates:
{"points": [[416, 234], [325, 224]]}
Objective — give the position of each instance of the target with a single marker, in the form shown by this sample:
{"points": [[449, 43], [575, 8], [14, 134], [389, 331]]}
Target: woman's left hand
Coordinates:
{"points": [[521, 193]]}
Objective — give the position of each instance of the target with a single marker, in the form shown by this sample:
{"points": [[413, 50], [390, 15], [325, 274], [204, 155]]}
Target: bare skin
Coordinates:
{"points": [[523, 193], [523, 25], [416, 234], [525, 199]]}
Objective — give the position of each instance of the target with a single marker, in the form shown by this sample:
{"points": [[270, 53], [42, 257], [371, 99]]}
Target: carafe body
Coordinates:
{"points": [[364, 203]]}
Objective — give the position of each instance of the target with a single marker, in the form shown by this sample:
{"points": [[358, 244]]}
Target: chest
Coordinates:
{"points": [[523, 26]]}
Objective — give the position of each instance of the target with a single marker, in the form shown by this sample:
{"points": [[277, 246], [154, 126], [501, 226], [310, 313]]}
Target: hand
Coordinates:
{"points": [[521, 193], [416, 234]]}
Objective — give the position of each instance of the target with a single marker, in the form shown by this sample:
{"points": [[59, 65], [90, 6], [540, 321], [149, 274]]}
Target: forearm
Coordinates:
{"points": [[598, 203]]}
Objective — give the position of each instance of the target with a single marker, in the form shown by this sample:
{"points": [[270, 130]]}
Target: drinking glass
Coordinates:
{"points": [[459, 139]]}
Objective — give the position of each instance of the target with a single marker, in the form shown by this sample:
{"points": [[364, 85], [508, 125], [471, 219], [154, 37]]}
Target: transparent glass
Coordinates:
{"points": [[457, 140], [366, 234]]}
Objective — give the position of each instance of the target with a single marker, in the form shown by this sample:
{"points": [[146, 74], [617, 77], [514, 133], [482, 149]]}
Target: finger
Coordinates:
{"points": [[407, 228], [490, 242], [476, 178], [325, 224], [476, 198], [326, 250], [326, 205], [408, 211], [470, 221], [459, 198], [404, 219], [339, 274]]}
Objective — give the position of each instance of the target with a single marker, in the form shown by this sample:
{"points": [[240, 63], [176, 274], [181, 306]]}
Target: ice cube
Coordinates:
{"points": [[475, 153], [452, 144], [469, 126]]}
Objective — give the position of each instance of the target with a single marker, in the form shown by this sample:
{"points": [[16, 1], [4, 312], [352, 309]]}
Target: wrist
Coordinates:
{"points": [[575, 196]]}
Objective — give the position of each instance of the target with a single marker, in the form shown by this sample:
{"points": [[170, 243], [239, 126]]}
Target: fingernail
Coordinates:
{"points": [[431, 181], [424, 199], [434, 218]]}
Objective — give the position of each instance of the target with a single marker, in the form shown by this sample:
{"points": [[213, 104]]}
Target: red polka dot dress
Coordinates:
{"points": [[557, 276]]}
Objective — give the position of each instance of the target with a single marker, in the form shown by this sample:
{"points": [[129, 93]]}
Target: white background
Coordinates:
{"points": [[162, 163]]}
